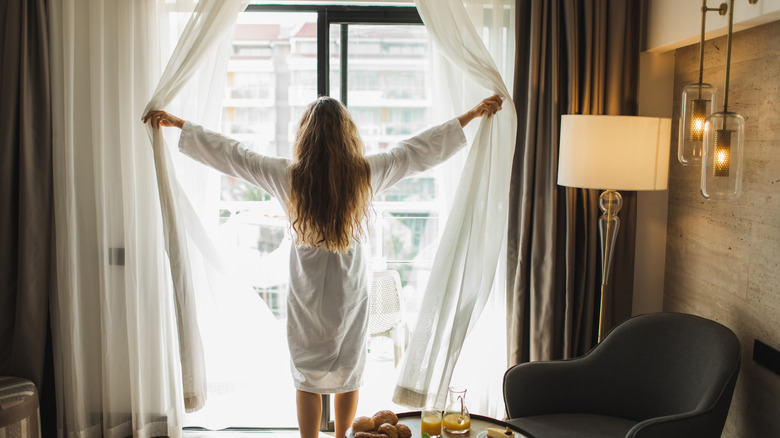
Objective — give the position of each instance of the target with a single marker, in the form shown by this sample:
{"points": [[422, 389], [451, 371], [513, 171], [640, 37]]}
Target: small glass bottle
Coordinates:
{"points": [[456, 416]]}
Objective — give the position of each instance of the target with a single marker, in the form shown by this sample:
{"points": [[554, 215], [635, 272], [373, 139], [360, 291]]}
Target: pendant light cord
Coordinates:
{"points": [[728, 57], [704, 9], [701, 42]]}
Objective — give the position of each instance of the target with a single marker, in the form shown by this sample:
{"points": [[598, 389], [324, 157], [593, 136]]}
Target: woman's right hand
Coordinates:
{"points": [[160, 118]]}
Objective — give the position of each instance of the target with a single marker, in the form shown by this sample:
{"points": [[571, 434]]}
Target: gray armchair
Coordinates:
{"points": [[656, 375]]}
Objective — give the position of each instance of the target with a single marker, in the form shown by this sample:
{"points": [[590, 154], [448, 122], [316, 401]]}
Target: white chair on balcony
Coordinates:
{"points": [[386, 311]]}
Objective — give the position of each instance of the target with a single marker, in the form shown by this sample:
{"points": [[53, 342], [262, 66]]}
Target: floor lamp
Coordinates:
{"points": [[613, 153]]}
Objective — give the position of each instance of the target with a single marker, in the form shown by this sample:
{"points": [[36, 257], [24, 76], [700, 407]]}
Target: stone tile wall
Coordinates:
{"points": [[723, 258]]}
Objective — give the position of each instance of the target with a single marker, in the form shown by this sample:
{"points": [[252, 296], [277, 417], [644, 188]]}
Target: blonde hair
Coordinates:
{"points": [[330, 178]]}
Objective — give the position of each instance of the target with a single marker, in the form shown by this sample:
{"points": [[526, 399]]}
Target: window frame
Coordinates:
{"points": [[343, 15]]}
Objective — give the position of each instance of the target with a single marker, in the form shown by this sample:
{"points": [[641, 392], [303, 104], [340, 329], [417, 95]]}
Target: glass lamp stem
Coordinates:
{"points": [[610, 203]]}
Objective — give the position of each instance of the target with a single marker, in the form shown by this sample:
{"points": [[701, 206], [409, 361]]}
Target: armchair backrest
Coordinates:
{"points": [[661, 364]]}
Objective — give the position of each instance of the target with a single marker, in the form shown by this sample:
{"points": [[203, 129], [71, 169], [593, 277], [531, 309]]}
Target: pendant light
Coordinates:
{"points": [[698, 102], [724, 137]]}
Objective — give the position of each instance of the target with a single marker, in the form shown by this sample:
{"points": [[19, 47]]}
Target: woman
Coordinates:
{"points": [[326, 189]]}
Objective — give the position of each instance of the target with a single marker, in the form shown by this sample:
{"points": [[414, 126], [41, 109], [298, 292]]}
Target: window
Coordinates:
{"points": [[376, 60]]}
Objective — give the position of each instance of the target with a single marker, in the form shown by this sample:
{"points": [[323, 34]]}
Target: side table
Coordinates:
{"points": [[478, 425]]}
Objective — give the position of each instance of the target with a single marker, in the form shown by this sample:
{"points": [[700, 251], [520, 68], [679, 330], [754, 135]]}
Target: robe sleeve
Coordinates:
{"points": [[421, 152], [234, 159]]}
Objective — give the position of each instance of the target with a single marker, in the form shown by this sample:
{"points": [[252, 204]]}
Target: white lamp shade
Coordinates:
{"points": [[614, 152]]}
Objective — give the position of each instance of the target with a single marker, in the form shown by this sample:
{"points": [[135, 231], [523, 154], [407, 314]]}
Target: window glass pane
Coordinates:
{"points": [[272, 76], [406, 234], [388, 92], [334, 42], [389, 97], [418, 189]]}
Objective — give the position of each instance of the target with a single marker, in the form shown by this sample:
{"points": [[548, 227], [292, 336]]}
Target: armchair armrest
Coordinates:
{"points": [[686, 425], [539, 388], [704, 421]]}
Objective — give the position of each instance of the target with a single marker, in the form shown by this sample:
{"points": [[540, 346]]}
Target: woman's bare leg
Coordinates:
{"points": [[345, 404], [309, 413]]}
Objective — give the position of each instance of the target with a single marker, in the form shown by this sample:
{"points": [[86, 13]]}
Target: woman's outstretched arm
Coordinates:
{"points": [[426, 149], [487, 107], [160, 118], [224, 154]]}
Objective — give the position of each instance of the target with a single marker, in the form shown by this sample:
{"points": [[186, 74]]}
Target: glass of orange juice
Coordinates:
{"points": [[431, 421]]}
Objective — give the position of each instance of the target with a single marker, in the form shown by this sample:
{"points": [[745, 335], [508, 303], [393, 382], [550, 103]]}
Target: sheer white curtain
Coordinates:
{"points": [[116, 339], [211, 22], [475, 38]]}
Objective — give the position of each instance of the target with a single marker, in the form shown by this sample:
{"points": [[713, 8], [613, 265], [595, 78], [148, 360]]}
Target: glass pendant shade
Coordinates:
{"points": [[721, 171], [698, 102]]}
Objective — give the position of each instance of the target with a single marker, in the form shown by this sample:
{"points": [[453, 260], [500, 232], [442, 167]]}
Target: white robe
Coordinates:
{"points": [[327, 301]]}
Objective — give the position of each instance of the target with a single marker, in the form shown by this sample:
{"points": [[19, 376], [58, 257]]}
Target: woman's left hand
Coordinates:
{"points": [[487, 107]]}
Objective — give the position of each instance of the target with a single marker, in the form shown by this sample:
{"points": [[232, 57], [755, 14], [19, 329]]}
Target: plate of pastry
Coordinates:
{"points": [[383, 424]]}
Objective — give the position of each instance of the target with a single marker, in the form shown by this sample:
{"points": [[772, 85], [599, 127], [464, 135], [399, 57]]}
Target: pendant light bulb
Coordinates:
{"points": [[722, 152], [722, 164], [698, 117], [698, 102]]}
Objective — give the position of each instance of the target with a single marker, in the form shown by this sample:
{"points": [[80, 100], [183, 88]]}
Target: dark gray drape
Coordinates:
{"points": [[25, 189], [573, 57]]}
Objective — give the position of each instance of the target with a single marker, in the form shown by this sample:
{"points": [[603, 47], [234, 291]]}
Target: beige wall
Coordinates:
{"points": [[672, 24], [723, 258], [656, 87]]}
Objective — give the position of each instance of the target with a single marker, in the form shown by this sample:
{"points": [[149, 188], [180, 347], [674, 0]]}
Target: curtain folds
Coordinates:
{"points": [[211, 22], [572, 58], [25, 189], [116, 341], [465, 263]]}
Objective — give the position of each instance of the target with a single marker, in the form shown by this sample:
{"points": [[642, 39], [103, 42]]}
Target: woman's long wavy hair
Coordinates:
{"points": [[330, 178]]}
